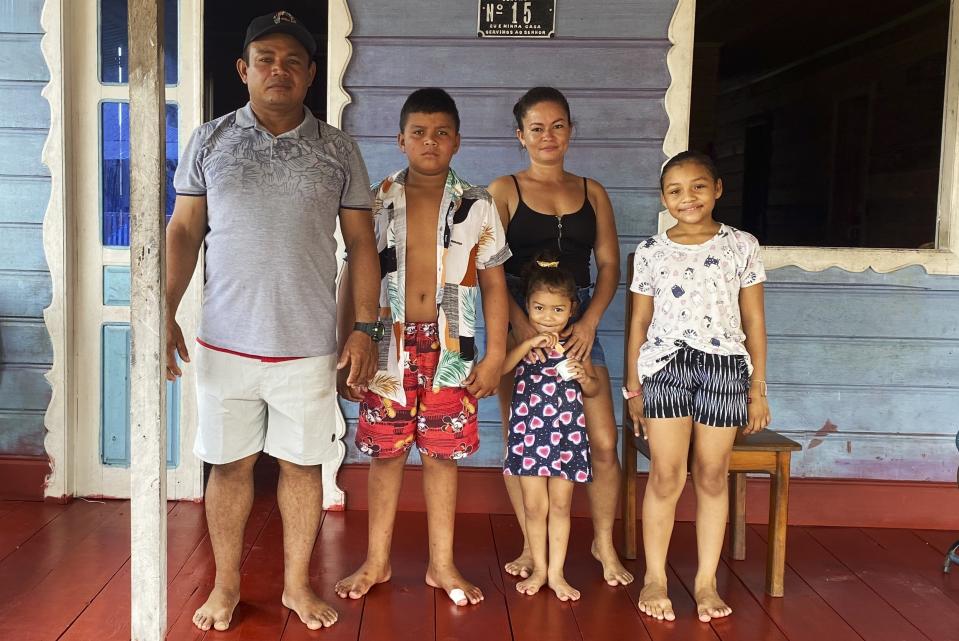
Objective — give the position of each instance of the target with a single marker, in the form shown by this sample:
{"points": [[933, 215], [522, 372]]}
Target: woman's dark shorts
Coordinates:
{"points": [[709, 387], [583, 295]]}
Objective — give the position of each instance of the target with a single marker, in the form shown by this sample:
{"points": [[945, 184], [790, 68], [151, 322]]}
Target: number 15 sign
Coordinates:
{"points": [[516, 19]]}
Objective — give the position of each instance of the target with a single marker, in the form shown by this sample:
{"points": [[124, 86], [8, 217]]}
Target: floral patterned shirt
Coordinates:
{"points": [[696, 294], [469, 236]]}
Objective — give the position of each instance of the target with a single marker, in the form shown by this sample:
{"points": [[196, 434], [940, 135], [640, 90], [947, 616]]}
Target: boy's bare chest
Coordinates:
{"points": [[422, 218]]}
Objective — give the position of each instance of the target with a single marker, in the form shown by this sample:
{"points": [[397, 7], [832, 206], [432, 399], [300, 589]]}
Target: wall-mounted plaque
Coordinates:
{"points": [[516, 19]]}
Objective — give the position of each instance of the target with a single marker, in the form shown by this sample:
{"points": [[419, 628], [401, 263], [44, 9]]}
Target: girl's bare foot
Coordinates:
{"points": [[613, 571], [708, 604], [449, 579], [564, 591], [217, 612], [521, 566], [532, 585], [359, 583], [653, 600], [313, 611]]}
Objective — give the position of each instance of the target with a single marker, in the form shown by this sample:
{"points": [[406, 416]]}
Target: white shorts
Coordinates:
{"points": [[245, 406]]}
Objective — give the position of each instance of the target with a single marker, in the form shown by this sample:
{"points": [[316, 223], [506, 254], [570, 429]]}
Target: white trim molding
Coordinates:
{"points": [[679, 62], [58, 441], [338, 54], [943, 260]]}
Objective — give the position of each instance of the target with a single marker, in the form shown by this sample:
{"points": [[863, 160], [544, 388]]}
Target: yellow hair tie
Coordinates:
{"points": [[551, 263]]}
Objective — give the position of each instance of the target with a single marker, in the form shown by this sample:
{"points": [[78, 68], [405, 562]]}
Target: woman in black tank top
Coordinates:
{"points": [[544, 207], [572, 236]]}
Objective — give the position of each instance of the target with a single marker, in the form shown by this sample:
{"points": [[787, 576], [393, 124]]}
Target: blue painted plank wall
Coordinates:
{"points": [[863, 368], [610, 61], [25, 350]]}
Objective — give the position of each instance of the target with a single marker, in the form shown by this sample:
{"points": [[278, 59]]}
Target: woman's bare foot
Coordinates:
{"points": [[521, 566], [217, 612], [313, 611], [613, 571], [708, 604], [653, 600], [532, 585], [564, 591], [359, 583], [449, 579]]}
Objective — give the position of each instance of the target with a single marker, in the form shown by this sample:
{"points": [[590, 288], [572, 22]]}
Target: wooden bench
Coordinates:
{"points": [[766, 452]]}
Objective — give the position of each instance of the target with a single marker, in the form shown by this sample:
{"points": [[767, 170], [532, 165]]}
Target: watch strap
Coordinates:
{"points": [[374, 330]]}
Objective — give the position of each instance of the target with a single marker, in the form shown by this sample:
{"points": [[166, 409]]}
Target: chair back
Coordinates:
{"points": [[627, 423]]}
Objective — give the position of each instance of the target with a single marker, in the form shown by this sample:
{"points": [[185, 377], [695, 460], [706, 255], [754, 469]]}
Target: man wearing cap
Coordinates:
{"points": [[262, 188]]}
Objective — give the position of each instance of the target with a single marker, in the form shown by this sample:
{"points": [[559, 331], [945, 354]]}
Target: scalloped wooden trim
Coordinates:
{"points": [[57, 441], [679, 62], [944, 260], [339, 51]]}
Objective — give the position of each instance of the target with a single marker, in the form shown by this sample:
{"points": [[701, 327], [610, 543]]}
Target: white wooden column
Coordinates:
{"points": [[147, 322]]}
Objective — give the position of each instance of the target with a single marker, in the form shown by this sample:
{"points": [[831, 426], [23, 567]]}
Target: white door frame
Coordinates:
{"points": [[76, 256]]}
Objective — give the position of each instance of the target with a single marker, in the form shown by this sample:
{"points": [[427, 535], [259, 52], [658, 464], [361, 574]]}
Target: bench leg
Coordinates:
{"points": [[627, 495], [737, 515], [778, 505]]}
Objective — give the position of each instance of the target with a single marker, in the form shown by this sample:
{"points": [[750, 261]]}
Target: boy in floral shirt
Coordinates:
{"points": [[440, 240]]}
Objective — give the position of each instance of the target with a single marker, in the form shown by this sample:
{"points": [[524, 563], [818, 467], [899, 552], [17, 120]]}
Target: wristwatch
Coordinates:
{"points": [[374, 330], [628, 395]]}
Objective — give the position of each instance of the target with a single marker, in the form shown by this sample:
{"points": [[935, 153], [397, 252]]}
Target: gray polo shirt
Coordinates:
{"points": [[272, 205]]}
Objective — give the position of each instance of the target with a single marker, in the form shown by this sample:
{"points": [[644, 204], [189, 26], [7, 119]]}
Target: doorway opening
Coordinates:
{"points": [[825, 119], [224, 27]]}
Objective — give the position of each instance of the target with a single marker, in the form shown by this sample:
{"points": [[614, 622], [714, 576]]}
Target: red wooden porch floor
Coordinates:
{"points": [[64, 575]]}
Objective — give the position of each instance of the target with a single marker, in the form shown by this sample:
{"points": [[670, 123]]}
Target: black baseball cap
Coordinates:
{"points": [[280, 22]]}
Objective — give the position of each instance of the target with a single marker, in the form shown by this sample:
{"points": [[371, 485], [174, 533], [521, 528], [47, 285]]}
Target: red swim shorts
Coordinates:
{"points": [[441, 423]]}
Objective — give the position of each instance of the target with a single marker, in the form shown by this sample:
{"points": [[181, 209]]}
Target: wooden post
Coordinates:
{"points": [[737, 515], [148, 509], [778, 526], [627, 494]]}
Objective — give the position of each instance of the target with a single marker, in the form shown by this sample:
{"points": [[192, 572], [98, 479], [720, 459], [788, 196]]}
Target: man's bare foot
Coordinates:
{"points": [[449, 579], [521, 566], [613, 571], [359, 583], [653, 600], [564, 591], [217, 612], [313, 611], [708, 604], [532, 585]]}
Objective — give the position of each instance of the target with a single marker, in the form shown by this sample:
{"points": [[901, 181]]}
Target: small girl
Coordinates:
{"points": [[547, 445], [696, 369]]}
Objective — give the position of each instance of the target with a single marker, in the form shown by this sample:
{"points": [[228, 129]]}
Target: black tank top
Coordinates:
{"points": [[572, 235]]}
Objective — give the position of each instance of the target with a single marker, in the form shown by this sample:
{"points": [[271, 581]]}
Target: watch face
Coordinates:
{"points": [[377, 331]]}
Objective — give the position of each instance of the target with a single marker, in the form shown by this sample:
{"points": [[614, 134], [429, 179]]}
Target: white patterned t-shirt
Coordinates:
{"points": [[696, 294]]}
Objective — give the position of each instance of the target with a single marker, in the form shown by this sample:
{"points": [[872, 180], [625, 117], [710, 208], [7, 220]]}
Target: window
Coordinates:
{"points": [[114, 48], [828, 132], [115, 169], [891, 209]]}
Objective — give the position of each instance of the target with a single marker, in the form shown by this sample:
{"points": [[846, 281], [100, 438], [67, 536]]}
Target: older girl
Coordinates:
{"points": [[696, 370]]}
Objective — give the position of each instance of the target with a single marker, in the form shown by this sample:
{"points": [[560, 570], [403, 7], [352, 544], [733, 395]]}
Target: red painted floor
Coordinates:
{"points": [[64, 575]]}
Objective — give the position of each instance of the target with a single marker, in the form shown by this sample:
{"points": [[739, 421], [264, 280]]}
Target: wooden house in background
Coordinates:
{"points": [[834, 124]]}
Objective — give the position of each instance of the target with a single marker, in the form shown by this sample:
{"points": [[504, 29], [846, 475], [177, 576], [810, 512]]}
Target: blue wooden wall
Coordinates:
{"points": [[863, 368], [25, 350], [609, 59]]}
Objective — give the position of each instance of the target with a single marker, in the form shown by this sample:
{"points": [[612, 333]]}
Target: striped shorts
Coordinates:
{"points": [[710, 388]]}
